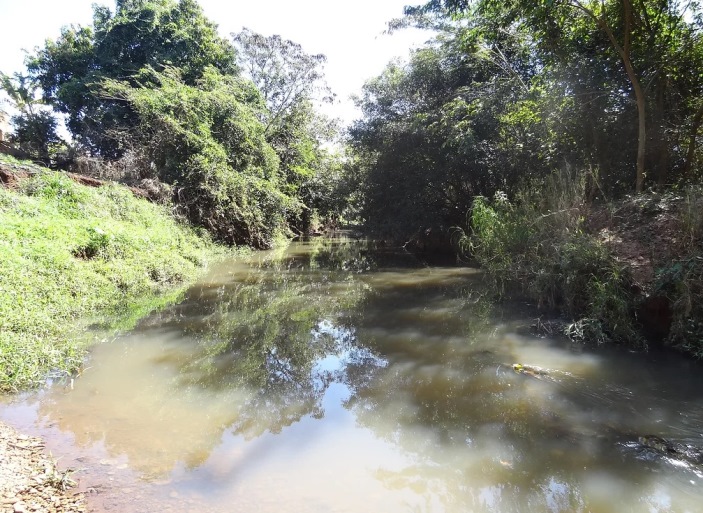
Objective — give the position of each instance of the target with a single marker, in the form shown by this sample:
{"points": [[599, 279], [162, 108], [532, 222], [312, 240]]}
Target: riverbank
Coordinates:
{"points": [[628, 271], [30, 481], [80, 260]]}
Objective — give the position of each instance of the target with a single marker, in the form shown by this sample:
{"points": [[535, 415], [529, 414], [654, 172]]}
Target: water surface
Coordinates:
{"points": [[339, 376]]}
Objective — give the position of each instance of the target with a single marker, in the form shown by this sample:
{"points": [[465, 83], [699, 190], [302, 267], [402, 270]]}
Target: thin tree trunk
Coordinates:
{"points": [[660, 159], [641, 134], [691, 152], [624, 52]]}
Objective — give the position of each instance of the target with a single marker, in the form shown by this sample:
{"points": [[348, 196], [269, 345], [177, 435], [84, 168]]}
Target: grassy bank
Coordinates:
{"points": [[73, 256], [603, 277]]}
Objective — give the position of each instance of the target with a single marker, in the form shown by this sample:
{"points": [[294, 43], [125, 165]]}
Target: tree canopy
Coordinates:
{"points": [[139, 33], [511, 91], [152, 84], [506, 93]]}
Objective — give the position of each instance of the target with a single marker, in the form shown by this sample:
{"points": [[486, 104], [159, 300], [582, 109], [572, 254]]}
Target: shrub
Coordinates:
{"points": [[682, 280], [208, 143], [536, 245]]}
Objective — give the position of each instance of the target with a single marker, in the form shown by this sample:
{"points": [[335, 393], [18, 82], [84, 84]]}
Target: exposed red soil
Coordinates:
{"points": [[12, 174], [645, 234]]}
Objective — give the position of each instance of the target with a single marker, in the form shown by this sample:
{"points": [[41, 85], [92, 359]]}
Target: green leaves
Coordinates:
{"points": [[35, 128], [430, 139], [158, 34], [211, 146], [285, 75], [73, 254]]}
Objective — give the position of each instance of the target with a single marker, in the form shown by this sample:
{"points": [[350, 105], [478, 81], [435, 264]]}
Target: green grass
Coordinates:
{"points": [[73, 256]]}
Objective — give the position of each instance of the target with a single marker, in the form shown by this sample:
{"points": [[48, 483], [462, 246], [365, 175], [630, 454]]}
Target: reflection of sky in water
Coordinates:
{"points": [[332, 379], [349, 354]]}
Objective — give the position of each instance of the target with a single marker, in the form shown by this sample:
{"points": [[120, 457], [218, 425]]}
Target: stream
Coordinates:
{"points": [[338, 375]]}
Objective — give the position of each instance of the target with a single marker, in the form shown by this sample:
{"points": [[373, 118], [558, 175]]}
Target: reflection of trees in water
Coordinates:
{"points": [[267, 332], [480, 440], [483, 438], [257, 350], [480, 428], [251, 351]]}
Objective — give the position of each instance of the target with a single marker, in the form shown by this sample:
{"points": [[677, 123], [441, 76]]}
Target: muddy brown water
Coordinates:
{"points": [[336, 376]]}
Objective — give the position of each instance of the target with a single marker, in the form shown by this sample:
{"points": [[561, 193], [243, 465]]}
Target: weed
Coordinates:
{"points": [[692, 218], [682, 283], [72, 255], [681, 280], [537, 246], [58, 479]]}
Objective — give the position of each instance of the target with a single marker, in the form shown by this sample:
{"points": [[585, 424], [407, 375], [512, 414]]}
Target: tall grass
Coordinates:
{"points": [[72, 256], [536, 245]]}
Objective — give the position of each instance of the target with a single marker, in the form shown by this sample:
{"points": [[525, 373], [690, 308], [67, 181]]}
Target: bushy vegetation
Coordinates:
{"points": [[207, 141], [513, 91], [429, 141], [682, 280], [136, 35], [73, 256], [537, 244], [507, 96], [153, 96], [152, 89]]}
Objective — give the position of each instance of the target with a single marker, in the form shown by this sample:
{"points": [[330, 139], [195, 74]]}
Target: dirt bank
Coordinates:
{"points": [[30, 481], [659, 238]]}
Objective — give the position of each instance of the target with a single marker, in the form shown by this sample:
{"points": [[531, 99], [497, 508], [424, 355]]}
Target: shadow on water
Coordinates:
{"points": [[336, 375]]}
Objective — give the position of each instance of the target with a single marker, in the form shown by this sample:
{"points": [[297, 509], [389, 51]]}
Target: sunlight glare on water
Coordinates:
{"points": [[339, 376]]}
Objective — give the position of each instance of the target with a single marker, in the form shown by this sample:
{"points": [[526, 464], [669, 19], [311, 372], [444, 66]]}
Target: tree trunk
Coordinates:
{"points": [[624, 52], [641, 137], [691, 152], [660, 159]]}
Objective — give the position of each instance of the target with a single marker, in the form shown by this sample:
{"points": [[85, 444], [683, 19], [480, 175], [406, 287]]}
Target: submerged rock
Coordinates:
{"points": [[684, 452]]}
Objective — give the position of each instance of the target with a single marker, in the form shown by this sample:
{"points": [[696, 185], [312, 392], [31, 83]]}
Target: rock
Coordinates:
{"points": [[24, 473]]}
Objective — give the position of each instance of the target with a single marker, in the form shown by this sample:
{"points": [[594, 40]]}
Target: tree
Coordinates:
{"points": [[283, 72], [207, 142], [431, 136], [140, 33], [290, 81], [646, 36], [599, 14], [35, 129]]}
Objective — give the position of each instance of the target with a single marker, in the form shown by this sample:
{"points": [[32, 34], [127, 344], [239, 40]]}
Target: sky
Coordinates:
{"points": [[350, 34]]}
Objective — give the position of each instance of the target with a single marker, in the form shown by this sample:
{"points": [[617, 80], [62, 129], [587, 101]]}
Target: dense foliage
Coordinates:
{"points": [[538, 243], [508, 95], [431, 139], [139, 33], [509, 98], [35, 130], [512, 91], [207, 141], [290, 82], [153, 90]]}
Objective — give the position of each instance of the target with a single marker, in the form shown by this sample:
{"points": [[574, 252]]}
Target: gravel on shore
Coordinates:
{"points": [[30, 481]]}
